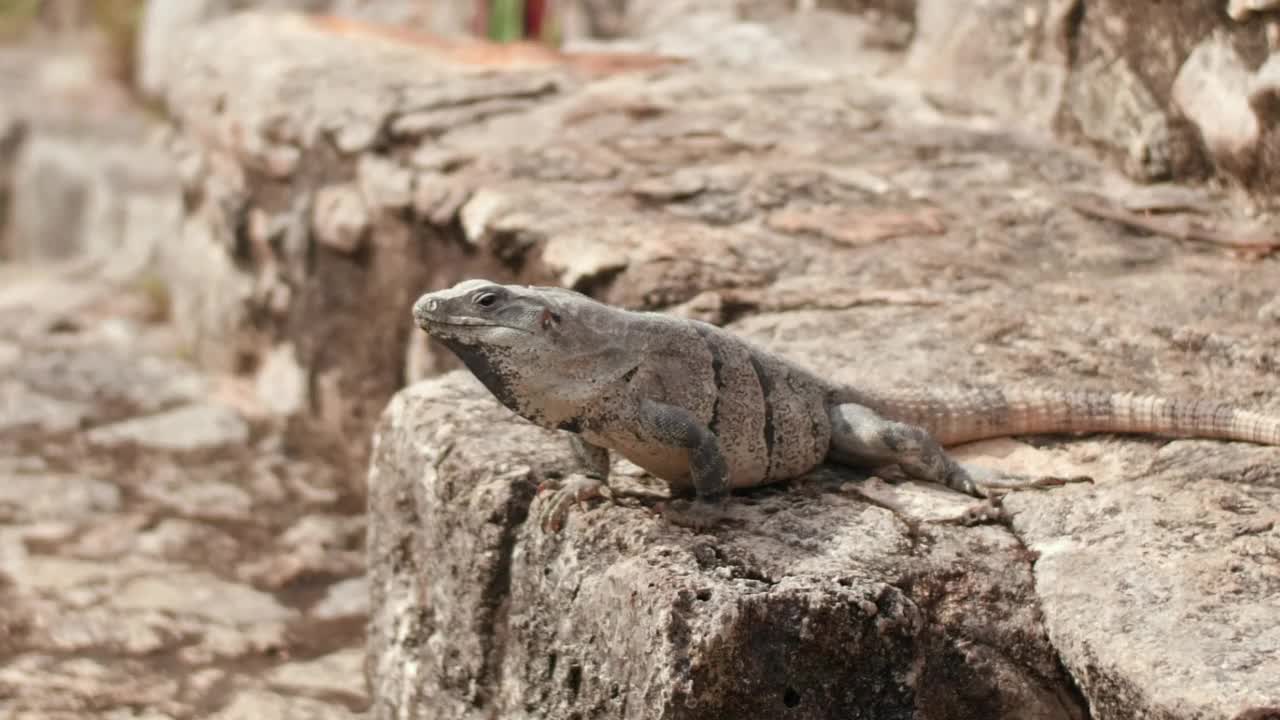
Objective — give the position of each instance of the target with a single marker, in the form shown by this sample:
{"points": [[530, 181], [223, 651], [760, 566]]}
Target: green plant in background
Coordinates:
{"points": [[513, 20], [118, 21], [506, 20], [154, 289], [117, 18], [16, 17]]}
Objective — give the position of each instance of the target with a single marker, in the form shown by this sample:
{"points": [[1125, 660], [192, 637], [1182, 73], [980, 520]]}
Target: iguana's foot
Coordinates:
{"points": [[698, 515], [574, 491], [984, 482], [988, 512]]}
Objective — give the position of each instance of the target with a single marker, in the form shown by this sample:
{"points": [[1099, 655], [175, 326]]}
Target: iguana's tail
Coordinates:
{"points": [[959, 416]]}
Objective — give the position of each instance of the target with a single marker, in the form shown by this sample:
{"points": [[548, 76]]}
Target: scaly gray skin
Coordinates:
{"points": [[704, 409]]}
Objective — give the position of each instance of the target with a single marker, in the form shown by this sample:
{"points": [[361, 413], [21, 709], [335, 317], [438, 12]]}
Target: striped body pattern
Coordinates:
{"points": [[769, 416]]}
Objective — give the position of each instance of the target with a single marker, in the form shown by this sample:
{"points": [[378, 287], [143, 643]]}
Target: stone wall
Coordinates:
{"points": [[166, 23], [307, 198], [82, 174], [319, 202], [845, 223], [1177, 91], [321, 199]]}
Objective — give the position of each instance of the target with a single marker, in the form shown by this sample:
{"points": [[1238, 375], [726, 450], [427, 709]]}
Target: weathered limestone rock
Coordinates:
{"points": [[132, 578], [1241, 9], [109, 378], [337, 674], [21, 407], [872, 270], [446, 167], [1154, 589], [341, 219], [262, 102], [332, 175], [1006, 57], [48, 214], [1184, 561], [251, 703], [50, 497], [79, 172], [107, 198], [754, 33], [1161, 89], [195, 427], [1212, 90], [815, 606], [11, 132], [166, 23], [349, 598]]}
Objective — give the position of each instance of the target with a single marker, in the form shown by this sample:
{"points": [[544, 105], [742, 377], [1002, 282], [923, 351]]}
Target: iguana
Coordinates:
{"points": [[700, 407]]}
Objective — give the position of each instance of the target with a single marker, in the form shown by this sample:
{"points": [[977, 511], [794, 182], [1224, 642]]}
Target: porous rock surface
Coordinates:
{"points": [[789, 614], [1155, 588], [1166, 91], [164, 552], [79, 174]]}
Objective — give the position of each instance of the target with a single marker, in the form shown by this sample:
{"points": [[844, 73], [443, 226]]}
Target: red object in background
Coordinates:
{"points": [[480, 19], [535, 16]]}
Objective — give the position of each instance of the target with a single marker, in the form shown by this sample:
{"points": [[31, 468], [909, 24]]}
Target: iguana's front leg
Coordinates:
{"points": [[579, 487], [677, 428], [663, 425], [860, 436]]}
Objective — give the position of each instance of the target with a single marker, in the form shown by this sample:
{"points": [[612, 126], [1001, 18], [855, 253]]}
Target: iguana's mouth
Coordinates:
{"points": [[428, 323]]}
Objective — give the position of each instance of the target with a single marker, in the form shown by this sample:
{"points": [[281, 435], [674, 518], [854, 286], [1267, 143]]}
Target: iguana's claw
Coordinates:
{"points": [[1017, 482], [574, 491], [988, 512], [698, 515], [986, 482]]}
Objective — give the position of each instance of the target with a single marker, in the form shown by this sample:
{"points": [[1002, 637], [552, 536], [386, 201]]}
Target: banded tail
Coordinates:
{"points": [[960, 416]]}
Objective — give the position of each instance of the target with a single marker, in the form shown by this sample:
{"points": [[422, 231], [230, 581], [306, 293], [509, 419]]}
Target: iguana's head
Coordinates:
{"points": [[483, 313], [535, 348]]}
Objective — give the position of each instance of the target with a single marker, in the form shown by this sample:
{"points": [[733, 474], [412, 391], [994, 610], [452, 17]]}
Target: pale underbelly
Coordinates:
{"points": [[672, 464], [669, 464]]}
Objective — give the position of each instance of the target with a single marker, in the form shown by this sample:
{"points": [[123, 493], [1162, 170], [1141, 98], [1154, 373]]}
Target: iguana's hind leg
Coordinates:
{"points": [[859, 436]]}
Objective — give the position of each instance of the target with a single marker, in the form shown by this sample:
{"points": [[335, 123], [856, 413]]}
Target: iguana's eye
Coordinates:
{"points": [[486, 299]]}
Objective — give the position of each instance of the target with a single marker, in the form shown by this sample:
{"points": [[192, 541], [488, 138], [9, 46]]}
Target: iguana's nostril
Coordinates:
{"points": [[424, 307]]}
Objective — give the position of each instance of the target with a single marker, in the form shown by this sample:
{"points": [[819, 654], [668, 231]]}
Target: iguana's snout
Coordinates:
{"points": [[462, 310], [481, 312], [424, 310]]}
